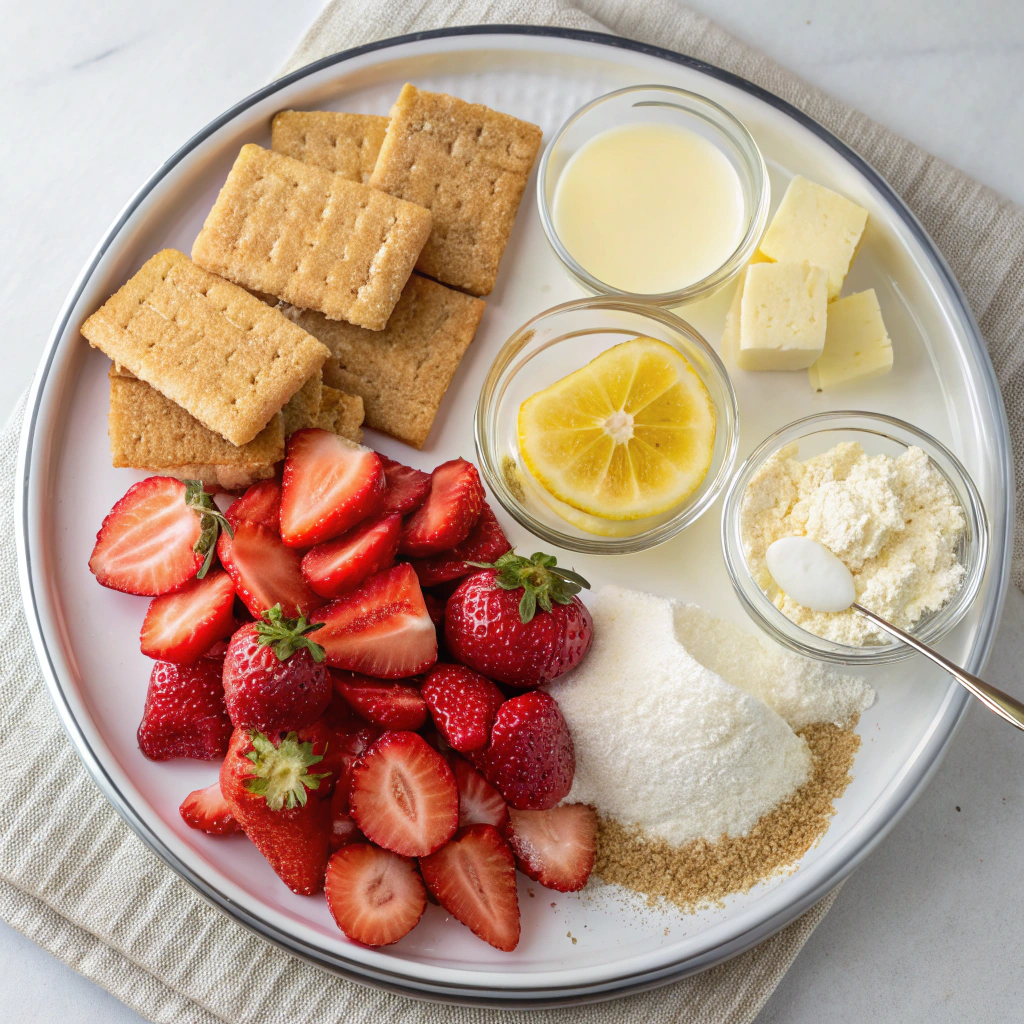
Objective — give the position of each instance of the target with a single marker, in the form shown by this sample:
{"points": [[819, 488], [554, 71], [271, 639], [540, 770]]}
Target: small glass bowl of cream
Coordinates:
{"points": [[654, 194], [544, 350], [877, 434]]}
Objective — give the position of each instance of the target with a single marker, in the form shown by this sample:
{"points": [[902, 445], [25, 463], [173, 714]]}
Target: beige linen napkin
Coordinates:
{"points": [[77, 881]]}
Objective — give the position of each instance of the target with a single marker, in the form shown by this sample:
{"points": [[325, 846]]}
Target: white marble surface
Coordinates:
{"points": [[96, 95]]}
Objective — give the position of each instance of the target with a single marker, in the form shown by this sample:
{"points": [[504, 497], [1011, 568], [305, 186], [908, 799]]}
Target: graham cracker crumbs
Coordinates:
{"points": [[702, 873]]}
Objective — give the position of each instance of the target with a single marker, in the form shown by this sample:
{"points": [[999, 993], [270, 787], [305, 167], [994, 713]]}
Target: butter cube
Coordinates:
{"points": [[857, 346], [777, 317], [819, 226]]}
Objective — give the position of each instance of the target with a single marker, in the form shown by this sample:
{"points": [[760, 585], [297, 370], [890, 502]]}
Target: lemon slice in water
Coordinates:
{"points": [[627, 436]]}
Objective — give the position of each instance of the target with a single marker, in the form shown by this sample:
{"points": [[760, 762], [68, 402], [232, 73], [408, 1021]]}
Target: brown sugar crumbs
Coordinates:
{"points": [[702, 873]]}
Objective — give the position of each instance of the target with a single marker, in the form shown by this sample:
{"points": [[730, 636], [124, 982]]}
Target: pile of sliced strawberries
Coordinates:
{"points": [[307, 662]]}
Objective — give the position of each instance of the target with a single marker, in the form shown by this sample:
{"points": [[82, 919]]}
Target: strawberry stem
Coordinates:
{"points": [[280, 774], [286, 636], [211, 521], [540, 579]]}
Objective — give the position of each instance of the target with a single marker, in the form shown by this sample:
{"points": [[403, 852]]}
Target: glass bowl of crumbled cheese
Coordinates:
{"points": [[890, 501]]}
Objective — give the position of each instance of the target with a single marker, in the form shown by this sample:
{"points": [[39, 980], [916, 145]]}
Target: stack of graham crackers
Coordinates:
{"points": [[336, 280]]}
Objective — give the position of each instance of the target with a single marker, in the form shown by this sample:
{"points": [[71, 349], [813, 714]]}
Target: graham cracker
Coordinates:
{"points": [[402, 372], [149, 431], [206, 344], [346, 144], [341, 413], [312, 238], [469, 166], [304, 406]]}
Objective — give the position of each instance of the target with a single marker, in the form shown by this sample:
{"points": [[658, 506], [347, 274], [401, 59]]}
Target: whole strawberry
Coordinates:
{"points": [[273, 796], [274, 679], [519, 621]]}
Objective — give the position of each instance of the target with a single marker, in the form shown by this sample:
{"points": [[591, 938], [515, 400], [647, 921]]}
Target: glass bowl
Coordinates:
{"points": [[547, 348], [660, 104], [878, 435]]}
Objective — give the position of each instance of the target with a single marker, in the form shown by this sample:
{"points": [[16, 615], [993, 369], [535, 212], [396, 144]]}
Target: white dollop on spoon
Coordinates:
{"points": [[812, 576]]}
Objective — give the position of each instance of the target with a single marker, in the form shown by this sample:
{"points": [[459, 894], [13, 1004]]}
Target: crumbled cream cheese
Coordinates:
{"points": [[894, 522]]}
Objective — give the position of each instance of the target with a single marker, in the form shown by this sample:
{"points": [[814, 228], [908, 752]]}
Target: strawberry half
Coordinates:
{"points": [[160, 534], [208, 811], [479, 802], [530, 759], [343, 750], [343, 829], [182, 626], [265, 572], [485, 543], [261, 504], [274, 798], [474, 879], [389, 705], [329, 485], [382, 629], [184, 714], [338, 566], [555, 847], [406, 487], [463, 704], [374, 896], [404, 796], [450, 512]]}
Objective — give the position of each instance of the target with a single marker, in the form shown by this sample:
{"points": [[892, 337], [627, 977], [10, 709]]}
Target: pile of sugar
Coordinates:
{"points": [[895, 523], [666, 744]]}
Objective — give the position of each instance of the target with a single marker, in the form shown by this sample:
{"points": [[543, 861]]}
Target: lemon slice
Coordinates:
{"points": [[627, 436]]}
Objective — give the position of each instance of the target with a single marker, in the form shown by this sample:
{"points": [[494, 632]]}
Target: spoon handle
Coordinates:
{"points": [[995, 700]]}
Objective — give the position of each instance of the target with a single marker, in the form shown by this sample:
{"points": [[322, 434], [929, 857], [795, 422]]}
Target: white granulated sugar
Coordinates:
{"points": [[894, 522], [802, 691], [664, 742]]}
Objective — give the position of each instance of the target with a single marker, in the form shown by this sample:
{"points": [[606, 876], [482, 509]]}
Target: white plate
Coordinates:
{"points": [[85, 636]]}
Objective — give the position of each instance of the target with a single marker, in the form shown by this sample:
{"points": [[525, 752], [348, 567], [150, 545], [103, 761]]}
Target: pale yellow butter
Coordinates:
{"points": [[777, 317], [857, 345], [818, 225]]}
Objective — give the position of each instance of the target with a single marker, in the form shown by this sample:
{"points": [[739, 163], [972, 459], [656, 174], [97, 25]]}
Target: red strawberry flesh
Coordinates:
{"points": [[375, 897], [486, 543], [340, 565], [474, 879], [329, 485], [382, 629], [184, 714], [260, 504], [449, 513], [404, 796], [389, 705], [555, 847], [146, 543], [406, 487], [479, 802], [207, 811], [463, 704], [183, 625]]}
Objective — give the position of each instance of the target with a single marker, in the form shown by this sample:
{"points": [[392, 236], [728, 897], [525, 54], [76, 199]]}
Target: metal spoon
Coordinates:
{"points": [[812, 576]]}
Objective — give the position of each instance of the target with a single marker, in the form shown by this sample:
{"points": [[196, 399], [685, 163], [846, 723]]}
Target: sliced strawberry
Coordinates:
{"points": [[479, 802], [389, 705], [407, 487], [463, 704], [404, 796], [450, 512], [555, 847], [340, 565], [147, 543], [343, 829], [486, 543], [265, 572], [344, 749], [182, 626], [208, 811], [474, 879], [260, 504], [374, 896], [329, 485], [435, 609], [530, 759], [382, 629], [185, 714]]}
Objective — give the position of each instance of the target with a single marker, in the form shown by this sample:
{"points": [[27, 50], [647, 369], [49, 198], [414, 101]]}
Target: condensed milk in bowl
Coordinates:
{"points": [[653, 193]]}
